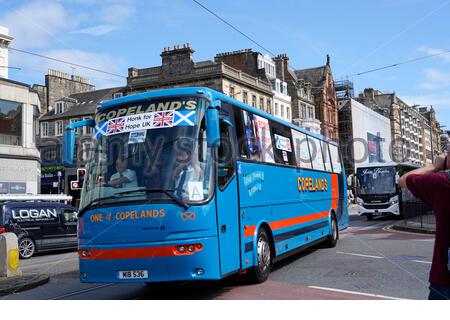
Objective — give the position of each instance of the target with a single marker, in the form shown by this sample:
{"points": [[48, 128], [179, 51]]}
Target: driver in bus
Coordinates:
{"points": [[123, 178]]}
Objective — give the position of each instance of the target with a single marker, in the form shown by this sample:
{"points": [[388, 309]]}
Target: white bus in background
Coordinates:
{"points": [[377, 191]]}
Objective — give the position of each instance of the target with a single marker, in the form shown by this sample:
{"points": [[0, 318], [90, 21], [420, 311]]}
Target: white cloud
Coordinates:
{"points": [[97, 30], [35, 24], [445, 57], [437, 100], [101, 61], [435, 79], [116, 13]]}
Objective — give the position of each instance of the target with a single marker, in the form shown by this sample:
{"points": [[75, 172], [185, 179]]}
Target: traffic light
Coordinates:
{"points": [[80, 177]]}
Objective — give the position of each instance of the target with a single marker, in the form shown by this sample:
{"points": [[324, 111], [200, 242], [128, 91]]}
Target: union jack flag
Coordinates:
{"points": [[163, 119], [115, 125]]}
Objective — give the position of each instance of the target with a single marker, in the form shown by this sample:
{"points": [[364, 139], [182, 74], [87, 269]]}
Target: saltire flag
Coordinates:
{"points": [[100, 129], [184, 118], [115, 125], [163, 119]]}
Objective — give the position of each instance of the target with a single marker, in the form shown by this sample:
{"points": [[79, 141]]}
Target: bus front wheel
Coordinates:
{"points": [[260, 272]]}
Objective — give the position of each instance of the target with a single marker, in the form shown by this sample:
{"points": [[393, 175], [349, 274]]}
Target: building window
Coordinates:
{"points": [[44, 129], [282, 111], [77, 130], [245, 97], [117, 95], [288, 113], [59, 128], [261, 104], [59, 107], [269, 105], [254, 101], [35, 123], [277, 110], [87, 130], [232, 92], [10, 123]]}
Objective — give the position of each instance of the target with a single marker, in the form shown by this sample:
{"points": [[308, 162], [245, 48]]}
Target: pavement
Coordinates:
{"points": [[21, 283], [415, 226], [38, 270]]}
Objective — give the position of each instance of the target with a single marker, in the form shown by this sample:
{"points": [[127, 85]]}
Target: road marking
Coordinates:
{"points": [[357, 293], [360, 255], [379, 257], [48, 263], [82, 291], [420, 261]]}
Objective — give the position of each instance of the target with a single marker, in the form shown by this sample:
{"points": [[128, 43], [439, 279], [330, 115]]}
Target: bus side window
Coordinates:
{"points": [[282, 144], [326, 156], [335, 159], [301, 149], [225, 166], [242, 148], [316, 153]]}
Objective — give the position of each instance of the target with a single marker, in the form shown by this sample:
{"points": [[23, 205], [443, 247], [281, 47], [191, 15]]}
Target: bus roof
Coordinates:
{"points": [[210, 94]]}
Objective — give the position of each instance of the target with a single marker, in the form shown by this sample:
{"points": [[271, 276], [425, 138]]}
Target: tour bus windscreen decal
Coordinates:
{"points": [[154, 116]]}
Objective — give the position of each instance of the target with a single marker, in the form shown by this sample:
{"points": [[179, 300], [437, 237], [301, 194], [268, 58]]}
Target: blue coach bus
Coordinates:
{"points": [[189, 184]]}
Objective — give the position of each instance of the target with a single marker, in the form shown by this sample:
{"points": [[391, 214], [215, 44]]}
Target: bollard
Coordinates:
{"points": [[9, 255]]}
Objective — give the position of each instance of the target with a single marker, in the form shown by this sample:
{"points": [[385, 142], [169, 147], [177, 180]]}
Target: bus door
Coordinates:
{"points": [[227, 195]]}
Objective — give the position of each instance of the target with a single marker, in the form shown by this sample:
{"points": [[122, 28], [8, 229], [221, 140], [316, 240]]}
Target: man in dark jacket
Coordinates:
{"points": [[432, 186]]}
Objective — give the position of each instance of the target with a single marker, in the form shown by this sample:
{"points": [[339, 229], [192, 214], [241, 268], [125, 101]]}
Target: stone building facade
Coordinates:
{"points": [[413, 132], [5, 40], [264, 68], [73, 108], [435, 129], [300, 91], [324, 93], [178, 69], [19, 157], [58, 85]]}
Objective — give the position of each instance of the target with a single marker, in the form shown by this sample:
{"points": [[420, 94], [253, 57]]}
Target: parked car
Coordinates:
{"points": [[39, 226]]}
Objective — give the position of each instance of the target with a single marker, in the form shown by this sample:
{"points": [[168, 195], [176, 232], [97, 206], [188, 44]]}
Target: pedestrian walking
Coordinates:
{"points": [[431, 184]]}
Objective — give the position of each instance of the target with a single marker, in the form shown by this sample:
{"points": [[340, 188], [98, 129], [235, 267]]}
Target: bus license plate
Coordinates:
{"points": [[133, 274]]}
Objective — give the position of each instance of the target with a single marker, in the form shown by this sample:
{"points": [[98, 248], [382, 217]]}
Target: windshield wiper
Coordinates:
{"points": [[167, 192], [93, 203]]}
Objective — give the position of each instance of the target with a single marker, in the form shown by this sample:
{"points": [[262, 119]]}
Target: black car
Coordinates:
{"points": [[39, 226]]}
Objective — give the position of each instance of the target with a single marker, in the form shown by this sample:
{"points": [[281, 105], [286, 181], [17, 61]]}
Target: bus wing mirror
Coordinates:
{"points": [[227, 121], [69, 140], [68, 146], [212, 124]]}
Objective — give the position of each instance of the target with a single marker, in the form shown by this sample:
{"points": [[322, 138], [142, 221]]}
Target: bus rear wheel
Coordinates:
{"points": [[334, 235], [261, 271]]}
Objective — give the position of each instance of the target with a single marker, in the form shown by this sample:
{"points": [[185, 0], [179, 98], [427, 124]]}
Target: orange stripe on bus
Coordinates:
{"points": [[297, 220], [128, 253], [334, 191], [250, 230]]}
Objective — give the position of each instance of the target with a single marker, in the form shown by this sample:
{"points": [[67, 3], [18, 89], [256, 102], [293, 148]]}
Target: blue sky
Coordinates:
{"points": [[359, 35]]}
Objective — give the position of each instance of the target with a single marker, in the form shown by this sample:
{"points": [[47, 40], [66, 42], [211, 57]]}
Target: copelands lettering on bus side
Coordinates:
{"points": [[139, 109], [34, 214], [312, 185]]}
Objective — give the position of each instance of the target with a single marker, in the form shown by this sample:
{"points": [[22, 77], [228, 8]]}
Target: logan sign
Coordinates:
{"points": [[34, 214]]}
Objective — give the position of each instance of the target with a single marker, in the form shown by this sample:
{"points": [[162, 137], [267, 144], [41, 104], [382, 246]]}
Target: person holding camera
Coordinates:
{"points": [[431, 184]]}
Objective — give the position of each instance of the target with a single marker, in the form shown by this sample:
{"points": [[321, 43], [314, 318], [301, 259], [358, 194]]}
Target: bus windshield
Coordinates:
{"points": [[151, 150], [377, 180]]}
